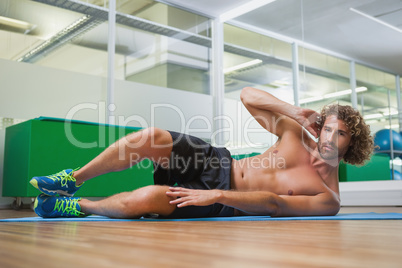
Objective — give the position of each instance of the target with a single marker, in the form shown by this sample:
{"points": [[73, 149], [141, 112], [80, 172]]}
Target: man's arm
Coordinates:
{"points": [[259, 202], [322, 204], [273, 114]]}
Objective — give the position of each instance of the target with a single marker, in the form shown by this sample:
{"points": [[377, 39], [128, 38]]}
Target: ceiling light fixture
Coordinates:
{"points": [[243, 9], [19, 24], [380, 115], [392, 113], [373, 116], [312, 99], [281, 83], [241, 66], [392, 126], [344, 92], [332, 95], [77, 28]]}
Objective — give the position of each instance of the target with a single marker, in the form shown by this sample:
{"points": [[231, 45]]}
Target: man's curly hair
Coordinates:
{"points": [[362, 143]]}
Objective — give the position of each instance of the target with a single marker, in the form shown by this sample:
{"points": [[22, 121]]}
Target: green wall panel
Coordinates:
{"points": [[45, 146], [375, 169]]}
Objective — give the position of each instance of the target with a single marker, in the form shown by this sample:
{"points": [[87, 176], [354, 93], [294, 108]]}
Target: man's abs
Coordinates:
{"points": [[258, 174]]}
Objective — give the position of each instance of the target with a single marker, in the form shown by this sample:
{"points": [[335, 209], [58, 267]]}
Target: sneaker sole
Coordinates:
{"points": [[34, 183]]}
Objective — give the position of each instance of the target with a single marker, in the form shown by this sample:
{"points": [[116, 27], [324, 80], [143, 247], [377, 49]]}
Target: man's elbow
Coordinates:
{"points": [[334, 208], [245, 95], [272, 206]]}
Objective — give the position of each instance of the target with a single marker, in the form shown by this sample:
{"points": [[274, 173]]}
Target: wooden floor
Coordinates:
{"points": [[202, 244]]}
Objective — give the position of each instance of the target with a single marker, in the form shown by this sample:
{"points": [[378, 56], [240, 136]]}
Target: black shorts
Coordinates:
{"points": [[196, 164]]}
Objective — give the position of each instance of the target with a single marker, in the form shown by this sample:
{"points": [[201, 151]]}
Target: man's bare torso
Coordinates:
{"points": [[285, 169]]}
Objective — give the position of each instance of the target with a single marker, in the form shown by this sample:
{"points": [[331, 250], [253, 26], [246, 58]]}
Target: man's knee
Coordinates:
{"points": [[155, 135], [152, 193], [159, 145], [150, 199], [150, 137]]}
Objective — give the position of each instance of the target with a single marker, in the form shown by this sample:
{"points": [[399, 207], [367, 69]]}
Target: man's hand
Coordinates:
{"points": [[189, 197], [310, 120]]}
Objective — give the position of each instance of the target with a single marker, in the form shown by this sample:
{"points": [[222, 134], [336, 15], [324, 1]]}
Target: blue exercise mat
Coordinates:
{"points": [[352, 216]]}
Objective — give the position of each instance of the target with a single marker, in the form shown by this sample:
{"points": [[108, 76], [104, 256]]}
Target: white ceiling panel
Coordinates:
{"points": [[212, 8], [327, 24]]}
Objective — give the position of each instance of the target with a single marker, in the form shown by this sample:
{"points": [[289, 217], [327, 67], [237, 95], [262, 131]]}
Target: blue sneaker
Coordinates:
{"points": [[57, 206], [62, 183]]}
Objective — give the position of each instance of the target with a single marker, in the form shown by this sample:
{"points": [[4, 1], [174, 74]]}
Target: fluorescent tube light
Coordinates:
{"points": [[19, 24], [332, 95], [373, 116], [392, 113], [337, 94], [392, 126], [312, 99], [15, 23], [380, 115], [344, 92], [75, 29], [243, 9], [376, 20], [280, 83], [241, 66]]}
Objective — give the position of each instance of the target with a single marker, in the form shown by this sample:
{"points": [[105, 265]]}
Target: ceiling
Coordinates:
{"points": [[337, 26], [327, 24], [331, 25]]}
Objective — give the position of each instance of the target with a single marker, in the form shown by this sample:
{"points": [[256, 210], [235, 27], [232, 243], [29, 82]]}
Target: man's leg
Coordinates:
{"points": [[146, 200], [151, 143]]}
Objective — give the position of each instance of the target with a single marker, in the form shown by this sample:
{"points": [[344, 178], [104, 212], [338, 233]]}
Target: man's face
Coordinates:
{"points": [[334, 139]]}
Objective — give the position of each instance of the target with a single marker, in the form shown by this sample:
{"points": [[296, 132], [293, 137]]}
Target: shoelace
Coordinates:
{"points": [[64, 177], [68, 206]]}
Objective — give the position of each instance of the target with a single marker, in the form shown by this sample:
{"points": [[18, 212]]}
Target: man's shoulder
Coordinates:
{"points": [[299, 138], [291, 129]]}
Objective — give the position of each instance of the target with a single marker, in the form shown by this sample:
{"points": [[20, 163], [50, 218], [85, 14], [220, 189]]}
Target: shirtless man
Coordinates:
{"points": [[295, 177]]}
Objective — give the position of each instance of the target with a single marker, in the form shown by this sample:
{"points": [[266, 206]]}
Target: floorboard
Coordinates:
{"points": [[202, 244]]}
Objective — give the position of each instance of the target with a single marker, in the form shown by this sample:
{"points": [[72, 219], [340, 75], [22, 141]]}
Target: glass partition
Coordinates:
{"points": [[164, 14], [164, 46], [253, 59], [156, 44], [324, 79], [54, 37], [378, 103]]}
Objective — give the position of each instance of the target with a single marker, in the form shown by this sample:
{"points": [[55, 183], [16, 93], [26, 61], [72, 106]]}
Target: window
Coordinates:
{"points": [[324, 79], [379, 110], [252, 59]]}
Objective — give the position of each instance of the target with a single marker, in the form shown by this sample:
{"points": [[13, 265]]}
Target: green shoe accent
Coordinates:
{"points": [[55, 206], [34, 183], [35, 203], [62, 183], [69, 206], [64, 177]]}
